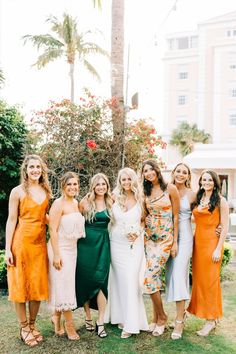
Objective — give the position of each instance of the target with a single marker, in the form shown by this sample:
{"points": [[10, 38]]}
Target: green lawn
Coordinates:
{"points": [[222, 341]]}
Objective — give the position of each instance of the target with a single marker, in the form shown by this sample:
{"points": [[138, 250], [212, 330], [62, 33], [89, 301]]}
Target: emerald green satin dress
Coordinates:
{"points": [[93, 261]]}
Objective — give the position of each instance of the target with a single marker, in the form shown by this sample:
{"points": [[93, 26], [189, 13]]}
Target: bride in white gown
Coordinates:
{"points": [[125, 302]]}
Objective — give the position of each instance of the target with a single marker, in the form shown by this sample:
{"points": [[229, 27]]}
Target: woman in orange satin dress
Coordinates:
{"points": [[210, 210], [26, 251]]}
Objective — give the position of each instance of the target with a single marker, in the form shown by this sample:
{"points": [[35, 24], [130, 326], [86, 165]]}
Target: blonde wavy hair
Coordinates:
{"points": [[90, 212], [66, 177], [119, 192], [188, 181], [43, 180]]}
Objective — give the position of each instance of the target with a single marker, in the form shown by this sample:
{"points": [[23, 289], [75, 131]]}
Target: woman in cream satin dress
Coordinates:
{"points": [[125, 304]]}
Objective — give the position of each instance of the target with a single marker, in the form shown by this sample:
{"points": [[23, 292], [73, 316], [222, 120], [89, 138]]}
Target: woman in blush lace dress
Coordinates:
{"points": [[125, 302], [66, 226]]}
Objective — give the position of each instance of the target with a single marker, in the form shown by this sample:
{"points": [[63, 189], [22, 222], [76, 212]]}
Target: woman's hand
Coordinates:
{"points": [[216, 256], [132, 237], [9, 258], [57, 262], [218, 230], [174, 249]]}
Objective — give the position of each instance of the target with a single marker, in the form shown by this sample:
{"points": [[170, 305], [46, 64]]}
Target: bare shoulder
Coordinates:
{"points": [[171, 188], [57, 204], [191, 195], [17, 192], [223, 202], [83, 204]]}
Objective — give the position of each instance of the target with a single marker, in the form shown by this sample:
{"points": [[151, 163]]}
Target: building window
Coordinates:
{"points": [[183, 75], [231, 32], [232, 118], [193, 42], [182, 100], [171, 44], [232, 89], [232, 60], [183, 43]]}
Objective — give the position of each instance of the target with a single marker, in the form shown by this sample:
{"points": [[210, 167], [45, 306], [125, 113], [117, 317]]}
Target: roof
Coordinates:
{"points": [[210, 156], [230, 16]]}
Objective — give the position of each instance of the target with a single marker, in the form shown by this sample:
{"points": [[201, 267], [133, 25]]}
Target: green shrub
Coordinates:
{"points": [[3, 270]]}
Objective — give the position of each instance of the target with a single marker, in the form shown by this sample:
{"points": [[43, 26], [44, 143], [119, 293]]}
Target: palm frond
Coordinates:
{"points": [[91, 69], [43, 40], [2, 78], [48, 56], [92, 48]]}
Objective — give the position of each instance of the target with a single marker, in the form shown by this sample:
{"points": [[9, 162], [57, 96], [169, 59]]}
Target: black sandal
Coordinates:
{"points": [[102, 333], [89, 325]]}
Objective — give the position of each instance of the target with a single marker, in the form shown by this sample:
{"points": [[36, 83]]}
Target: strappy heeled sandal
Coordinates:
{"points": [[158, 330], [102, 333], [58, 328], [70, 331], [38, 336], [28, 338], [89, 325], [177, 335], [207, 328], [125, 335]]}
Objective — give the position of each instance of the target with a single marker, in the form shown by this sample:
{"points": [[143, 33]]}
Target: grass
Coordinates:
{"points": [[222, 341]]}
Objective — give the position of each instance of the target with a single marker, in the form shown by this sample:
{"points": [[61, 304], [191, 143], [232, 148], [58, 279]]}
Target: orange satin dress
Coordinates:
{"points": [[206, 298], [28, 278]]}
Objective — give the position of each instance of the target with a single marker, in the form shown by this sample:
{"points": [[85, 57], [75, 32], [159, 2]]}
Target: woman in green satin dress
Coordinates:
{"points": [[93, 257]]}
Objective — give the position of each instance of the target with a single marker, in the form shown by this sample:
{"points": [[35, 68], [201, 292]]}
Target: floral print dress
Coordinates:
{"points": [[158, 240]]}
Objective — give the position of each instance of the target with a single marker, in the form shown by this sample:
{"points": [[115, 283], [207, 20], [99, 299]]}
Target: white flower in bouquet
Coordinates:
{"points": [[132, 232]]}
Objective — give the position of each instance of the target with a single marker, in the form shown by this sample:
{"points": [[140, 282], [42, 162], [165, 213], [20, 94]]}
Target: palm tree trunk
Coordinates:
{"points": [[72, 84], [117, 74]]}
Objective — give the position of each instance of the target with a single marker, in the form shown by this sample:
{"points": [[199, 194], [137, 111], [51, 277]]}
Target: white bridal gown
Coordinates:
{"points": [[125, 300]]}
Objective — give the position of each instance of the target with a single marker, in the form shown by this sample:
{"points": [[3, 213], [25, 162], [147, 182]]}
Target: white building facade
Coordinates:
{"points": [[200, 87]]}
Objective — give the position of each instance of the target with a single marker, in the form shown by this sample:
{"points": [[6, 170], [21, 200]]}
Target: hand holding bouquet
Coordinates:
{"points": [[132, 232]]}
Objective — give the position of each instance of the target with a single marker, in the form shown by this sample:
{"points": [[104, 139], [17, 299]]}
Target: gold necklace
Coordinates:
{"points": [[204, 202]]}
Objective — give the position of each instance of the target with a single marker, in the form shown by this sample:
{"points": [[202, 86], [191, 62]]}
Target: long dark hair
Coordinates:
{"points": [[147, 185], [215, 195]]}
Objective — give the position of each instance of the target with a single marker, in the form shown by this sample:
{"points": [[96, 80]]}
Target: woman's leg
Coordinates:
{"points": [[69, 326], [101, 301], [179, 321], [25, 331], [56, 320], [33, 311], [88, 319], [158, 311]]}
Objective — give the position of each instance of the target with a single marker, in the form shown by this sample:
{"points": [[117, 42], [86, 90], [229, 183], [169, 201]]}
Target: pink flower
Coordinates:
{"points": [[91, 144]]}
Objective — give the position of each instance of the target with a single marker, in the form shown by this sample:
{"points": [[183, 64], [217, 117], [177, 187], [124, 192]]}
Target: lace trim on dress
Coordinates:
{"points": [[66, 306]]}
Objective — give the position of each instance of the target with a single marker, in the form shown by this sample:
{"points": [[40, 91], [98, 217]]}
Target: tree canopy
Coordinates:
{"points": [[186, 135]]}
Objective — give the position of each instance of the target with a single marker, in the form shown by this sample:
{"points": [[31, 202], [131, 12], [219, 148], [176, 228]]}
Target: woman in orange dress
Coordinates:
{"points": [[26, 251], [210, 210]]}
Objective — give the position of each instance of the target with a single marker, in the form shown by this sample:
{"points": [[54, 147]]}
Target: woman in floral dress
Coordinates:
{"points": [[162, 208]]}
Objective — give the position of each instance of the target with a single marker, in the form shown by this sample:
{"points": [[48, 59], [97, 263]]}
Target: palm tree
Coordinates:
{"points": [[2, 78], [67, 42], [186, 135], [117, 72]]}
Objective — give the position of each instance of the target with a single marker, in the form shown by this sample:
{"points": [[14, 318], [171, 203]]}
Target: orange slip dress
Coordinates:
{"points": [[206, 298], [28, 278]]}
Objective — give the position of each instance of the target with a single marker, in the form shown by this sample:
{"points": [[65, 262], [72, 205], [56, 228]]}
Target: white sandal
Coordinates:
{"points": [[125, 335], [152, 327], [177, 335], [158, 330], [207, 328]]}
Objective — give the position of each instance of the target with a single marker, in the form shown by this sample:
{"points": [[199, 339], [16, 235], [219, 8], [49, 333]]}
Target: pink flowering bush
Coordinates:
{"points": [[80, 138]]}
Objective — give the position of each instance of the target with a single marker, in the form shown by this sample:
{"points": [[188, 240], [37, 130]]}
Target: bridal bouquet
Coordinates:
{"points": [[132, 232]]}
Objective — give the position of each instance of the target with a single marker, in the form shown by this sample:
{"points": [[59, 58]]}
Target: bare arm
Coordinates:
{"points": [[174, 197], [14, 201], [224, 221], [54, 221]]}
